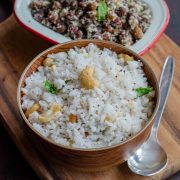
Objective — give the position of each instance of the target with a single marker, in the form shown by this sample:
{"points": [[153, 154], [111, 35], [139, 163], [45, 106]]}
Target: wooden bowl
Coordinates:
{"points": [[96, 159]]}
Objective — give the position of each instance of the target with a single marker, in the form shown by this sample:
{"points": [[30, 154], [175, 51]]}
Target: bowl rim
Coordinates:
{"points": [[86, 149]]}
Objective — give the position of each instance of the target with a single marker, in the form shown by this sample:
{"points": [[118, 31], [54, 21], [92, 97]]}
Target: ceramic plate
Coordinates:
{"points": [[159, 23]]}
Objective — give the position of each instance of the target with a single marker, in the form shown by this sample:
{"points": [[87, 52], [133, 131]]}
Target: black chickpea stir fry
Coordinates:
{"points": [[121, 21]]}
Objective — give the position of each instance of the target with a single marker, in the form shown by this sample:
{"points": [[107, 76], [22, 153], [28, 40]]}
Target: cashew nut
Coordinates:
{"points": [[48, 115], [32, 109], [48, 62], [53, 66], [87, 79], [108, 118], [126, 57]]}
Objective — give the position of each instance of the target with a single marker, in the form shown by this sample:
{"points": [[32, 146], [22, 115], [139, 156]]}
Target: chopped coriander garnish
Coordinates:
{"points": [[50, 87], [142, 91], [102, 10]]}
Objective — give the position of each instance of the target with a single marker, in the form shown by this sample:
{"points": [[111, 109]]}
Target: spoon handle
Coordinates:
{"points": [[165, 84]]}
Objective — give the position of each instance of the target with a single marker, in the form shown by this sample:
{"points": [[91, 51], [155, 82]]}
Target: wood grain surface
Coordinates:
{"points": [[18, 47]]}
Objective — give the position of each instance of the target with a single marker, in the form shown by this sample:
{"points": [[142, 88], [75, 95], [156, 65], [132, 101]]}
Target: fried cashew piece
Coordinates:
{"points": [[49, 115], [108, 118], [73, 118], [86, 78], [126, 57], [32, 109], [48, 62]]}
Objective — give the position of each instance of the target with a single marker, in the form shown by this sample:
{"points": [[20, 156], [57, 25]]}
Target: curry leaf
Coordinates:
{"points": [[102, 10], [50, 87], [142, 91]]}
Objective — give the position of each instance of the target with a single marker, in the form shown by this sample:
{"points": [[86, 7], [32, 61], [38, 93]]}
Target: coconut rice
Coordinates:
{"points": [[87, 97]]}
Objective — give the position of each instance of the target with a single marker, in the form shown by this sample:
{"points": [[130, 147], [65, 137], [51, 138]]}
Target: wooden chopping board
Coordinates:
{"points": [[18, 47]]}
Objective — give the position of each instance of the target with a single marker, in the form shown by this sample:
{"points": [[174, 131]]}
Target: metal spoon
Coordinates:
{"points": [[151, 158]]}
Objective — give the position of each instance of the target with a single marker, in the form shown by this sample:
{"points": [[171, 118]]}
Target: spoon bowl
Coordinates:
{"points": [[149, 159]]}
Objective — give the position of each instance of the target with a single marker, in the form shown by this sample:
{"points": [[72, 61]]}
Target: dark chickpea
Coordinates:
{"points": [[61, 28], [121, 11]]}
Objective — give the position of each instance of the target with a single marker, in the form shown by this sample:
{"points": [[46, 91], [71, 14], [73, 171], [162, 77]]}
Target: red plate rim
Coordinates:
{"points": [[54, 42]]}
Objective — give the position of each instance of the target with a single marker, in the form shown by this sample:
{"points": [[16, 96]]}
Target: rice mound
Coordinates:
{"points": [[105, 115]]}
